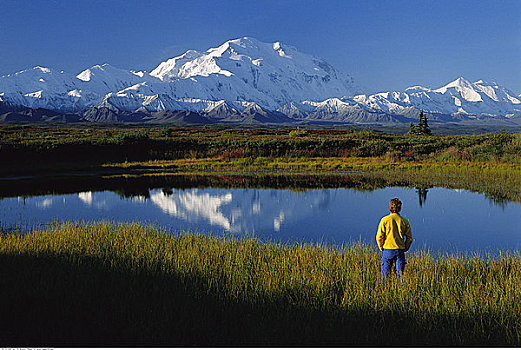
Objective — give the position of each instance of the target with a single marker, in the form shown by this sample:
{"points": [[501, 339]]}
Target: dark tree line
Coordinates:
{"points": [[422, 128]]}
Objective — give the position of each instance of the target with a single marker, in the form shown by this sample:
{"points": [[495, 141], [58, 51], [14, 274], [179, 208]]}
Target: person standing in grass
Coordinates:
{"points": [[394, 238]]}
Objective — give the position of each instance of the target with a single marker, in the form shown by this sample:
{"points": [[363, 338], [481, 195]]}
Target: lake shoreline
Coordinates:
{"points": [[500, 181]]}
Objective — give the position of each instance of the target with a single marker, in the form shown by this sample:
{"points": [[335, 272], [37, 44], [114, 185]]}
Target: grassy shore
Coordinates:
{"points": [[500, 181], [488, 163], [129, 285]]}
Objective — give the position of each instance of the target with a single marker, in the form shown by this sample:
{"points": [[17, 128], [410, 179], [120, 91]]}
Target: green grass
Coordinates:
{"points": [[125, 285]]}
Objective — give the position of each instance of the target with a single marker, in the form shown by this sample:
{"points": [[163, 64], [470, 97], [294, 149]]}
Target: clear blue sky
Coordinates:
{"points": [[383, 44]]}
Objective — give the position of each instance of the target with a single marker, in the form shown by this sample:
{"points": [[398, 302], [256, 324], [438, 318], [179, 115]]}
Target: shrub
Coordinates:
{"points": [[298, 133], [372, 148], [127, 138]]}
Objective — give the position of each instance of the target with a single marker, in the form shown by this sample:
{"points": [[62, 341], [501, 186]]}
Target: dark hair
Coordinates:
{"points": [[395, 205]]}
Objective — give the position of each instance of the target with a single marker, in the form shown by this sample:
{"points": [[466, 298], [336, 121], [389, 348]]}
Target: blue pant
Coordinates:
{"points": [[389, 257]]}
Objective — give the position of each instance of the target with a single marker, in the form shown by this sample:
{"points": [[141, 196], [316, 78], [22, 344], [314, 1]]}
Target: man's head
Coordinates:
{"points": [[395, 205]]}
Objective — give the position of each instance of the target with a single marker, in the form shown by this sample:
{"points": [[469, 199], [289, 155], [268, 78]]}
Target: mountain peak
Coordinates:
{"points": [[250, 47], [486, 83], [277, 71], [241, 46], [42, 69], [34, 70], [171, 68], [87, 74], [460, 82], [462, 87], [245, 41], [417, 88]]}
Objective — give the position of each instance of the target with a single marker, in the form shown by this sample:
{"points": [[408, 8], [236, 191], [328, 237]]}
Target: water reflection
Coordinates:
{"points": [[332, 215], [498, 202], [86, 197], [192, 205], [240, 210], [46, 203], [422, 195]]}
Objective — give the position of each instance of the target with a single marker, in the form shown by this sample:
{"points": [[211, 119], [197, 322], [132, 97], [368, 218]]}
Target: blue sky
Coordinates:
{"points": [[383, 44]]}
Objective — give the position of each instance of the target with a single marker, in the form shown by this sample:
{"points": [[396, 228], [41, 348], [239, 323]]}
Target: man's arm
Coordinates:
{"points": [[380, 235], [408, 235]]}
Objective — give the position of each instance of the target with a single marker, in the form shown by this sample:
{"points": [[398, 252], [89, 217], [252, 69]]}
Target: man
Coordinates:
{"points": [[394, 238]]}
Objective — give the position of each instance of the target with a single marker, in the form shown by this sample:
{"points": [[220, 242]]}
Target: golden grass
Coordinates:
{"points": [[461, 299]]}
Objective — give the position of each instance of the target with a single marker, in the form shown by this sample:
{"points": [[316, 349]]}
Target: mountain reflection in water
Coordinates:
{"points": [[191, 205], [449, 221], [237, 213]]}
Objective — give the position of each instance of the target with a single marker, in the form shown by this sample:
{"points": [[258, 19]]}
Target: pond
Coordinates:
{"points": [[346, 210]]}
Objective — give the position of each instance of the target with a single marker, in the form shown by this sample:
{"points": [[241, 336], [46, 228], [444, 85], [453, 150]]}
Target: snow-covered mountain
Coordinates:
{"points": [[459, 98], [239, 71], [41, 87], [245, 80], [275, 73]]}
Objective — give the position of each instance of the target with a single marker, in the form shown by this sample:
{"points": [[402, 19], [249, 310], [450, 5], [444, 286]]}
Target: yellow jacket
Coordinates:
{"points": [[394, 232]]}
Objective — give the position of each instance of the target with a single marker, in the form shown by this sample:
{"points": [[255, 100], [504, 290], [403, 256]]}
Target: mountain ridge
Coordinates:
{"points": [[245, 80]]}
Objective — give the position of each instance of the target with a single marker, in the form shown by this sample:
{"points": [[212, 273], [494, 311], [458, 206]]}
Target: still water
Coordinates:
{"points": [[442, 220]]}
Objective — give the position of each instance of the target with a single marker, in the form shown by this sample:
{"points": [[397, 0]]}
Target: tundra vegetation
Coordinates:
{"points": [[107, 284], [90, 147], [489, 163]]}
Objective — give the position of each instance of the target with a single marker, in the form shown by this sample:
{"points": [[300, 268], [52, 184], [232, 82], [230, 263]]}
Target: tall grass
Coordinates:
{"points": [[108, 284]]}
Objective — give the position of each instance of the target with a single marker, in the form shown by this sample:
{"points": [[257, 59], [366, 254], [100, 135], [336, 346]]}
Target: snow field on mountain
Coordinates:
{"points": [[242, 73]]}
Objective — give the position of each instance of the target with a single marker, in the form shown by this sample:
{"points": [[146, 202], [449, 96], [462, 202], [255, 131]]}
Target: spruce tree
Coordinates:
{"points": [[412, 129], [423, 126], [426, 129]]}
